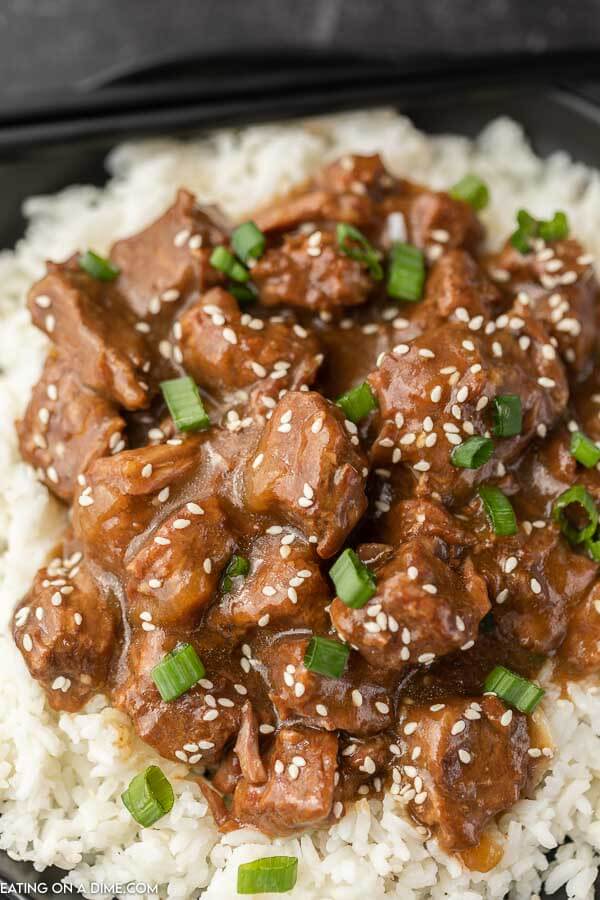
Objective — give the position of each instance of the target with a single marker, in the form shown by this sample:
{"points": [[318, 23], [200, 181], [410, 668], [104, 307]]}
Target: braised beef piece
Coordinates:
{"points": [[424, 607], [309, 470], [88, 321], [67, 630], [240, 358], [66, 426], [462, 762], [224, 539]]}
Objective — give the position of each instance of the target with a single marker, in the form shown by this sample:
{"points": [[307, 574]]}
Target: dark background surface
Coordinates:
{"points": [[47, 45]]}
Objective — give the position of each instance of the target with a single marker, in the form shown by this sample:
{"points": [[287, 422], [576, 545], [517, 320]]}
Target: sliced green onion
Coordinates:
{"points": [[473, 453], [326, 656], [498, 509], [237, 566], [556, 228], [275, 874], [248, 241], [177, 672], [98, 267], [358, 402], [149, 796], [472, 190], [584, 450], [508, 416], [348, 237], [406, 275], [224, 261], [186, 408], [519, 692], [527, 230], [354, 582], [593, 549], [576, 496], [243, 293]]}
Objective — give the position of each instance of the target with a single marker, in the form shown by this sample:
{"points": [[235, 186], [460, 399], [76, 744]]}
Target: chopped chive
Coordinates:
{"points": [[473, 453], [354, 244], [223, 260], [186, 408], [526, 231], [237, 566], [499, 510], [98, 267], [576, 496], [508, 416], [556, 228], [354, 582], [519, 692], [406, 274], [149, 796], [473, 190], [584, 450], [593, 548], [177, 672], [243, 293], [274, 874], [248, 241], [358, 402], [326, 656]]}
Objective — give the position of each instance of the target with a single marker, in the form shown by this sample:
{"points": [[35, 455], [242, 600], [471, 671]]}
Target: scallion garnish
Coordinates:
{"points": [[177, 672], [358, 402], [498, 509], [354, 244], [354, 582], [223, 260], [556, 228], [98, 267], [248, 241], [508, 416], [274, 874], [243, 293], [473, 453], [584, 449], [472, 190], [593, 549], [149, 796], [519, 692], [406, 274], [237, 566], [576, 496], [326, 656], [186, 408]]}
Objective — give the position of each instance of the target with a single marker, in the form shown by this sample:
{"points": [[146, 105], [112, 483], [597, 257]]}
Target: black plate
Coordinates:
{"points": [[42, 151]]}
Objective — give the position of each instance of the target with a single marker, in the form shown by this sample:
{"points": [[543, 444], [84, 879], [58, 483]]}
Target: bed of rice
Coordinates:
{"points": [[61, 775]]}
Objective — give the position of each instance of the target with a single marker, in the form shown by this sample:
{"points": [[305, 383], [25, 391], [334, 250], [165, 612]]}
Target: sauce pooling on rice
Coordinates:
{"points": [[333, 484]]}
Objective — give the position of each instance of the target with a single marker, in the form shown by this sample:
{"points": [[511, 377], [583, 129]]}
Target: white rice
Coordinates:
{"points": [[61, 775]]}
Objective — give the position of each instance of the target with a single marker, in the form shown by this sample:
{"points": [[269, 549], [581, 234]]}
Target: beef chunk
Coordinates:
{"points": [[168, 261], [88, 320], [325, 702], [298, 793], [580, 650], [122, 495], [534, 579], [309, 270], [229, 352], [176, 572], [308, 469], [66, 630], [557, 284], [423, 607], [436, 392], [472, 763], [283, 588], [412, 518], [65, 427], [195, 727], [362, 762], [457, 283], [247, 748], [437, 220]]}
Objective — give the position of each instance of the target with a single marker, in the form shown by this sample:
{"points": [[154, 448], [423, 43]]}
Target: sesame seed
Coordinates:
{"points": [[357, 698], [458, 727], [410, 728], [506, 718]]}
